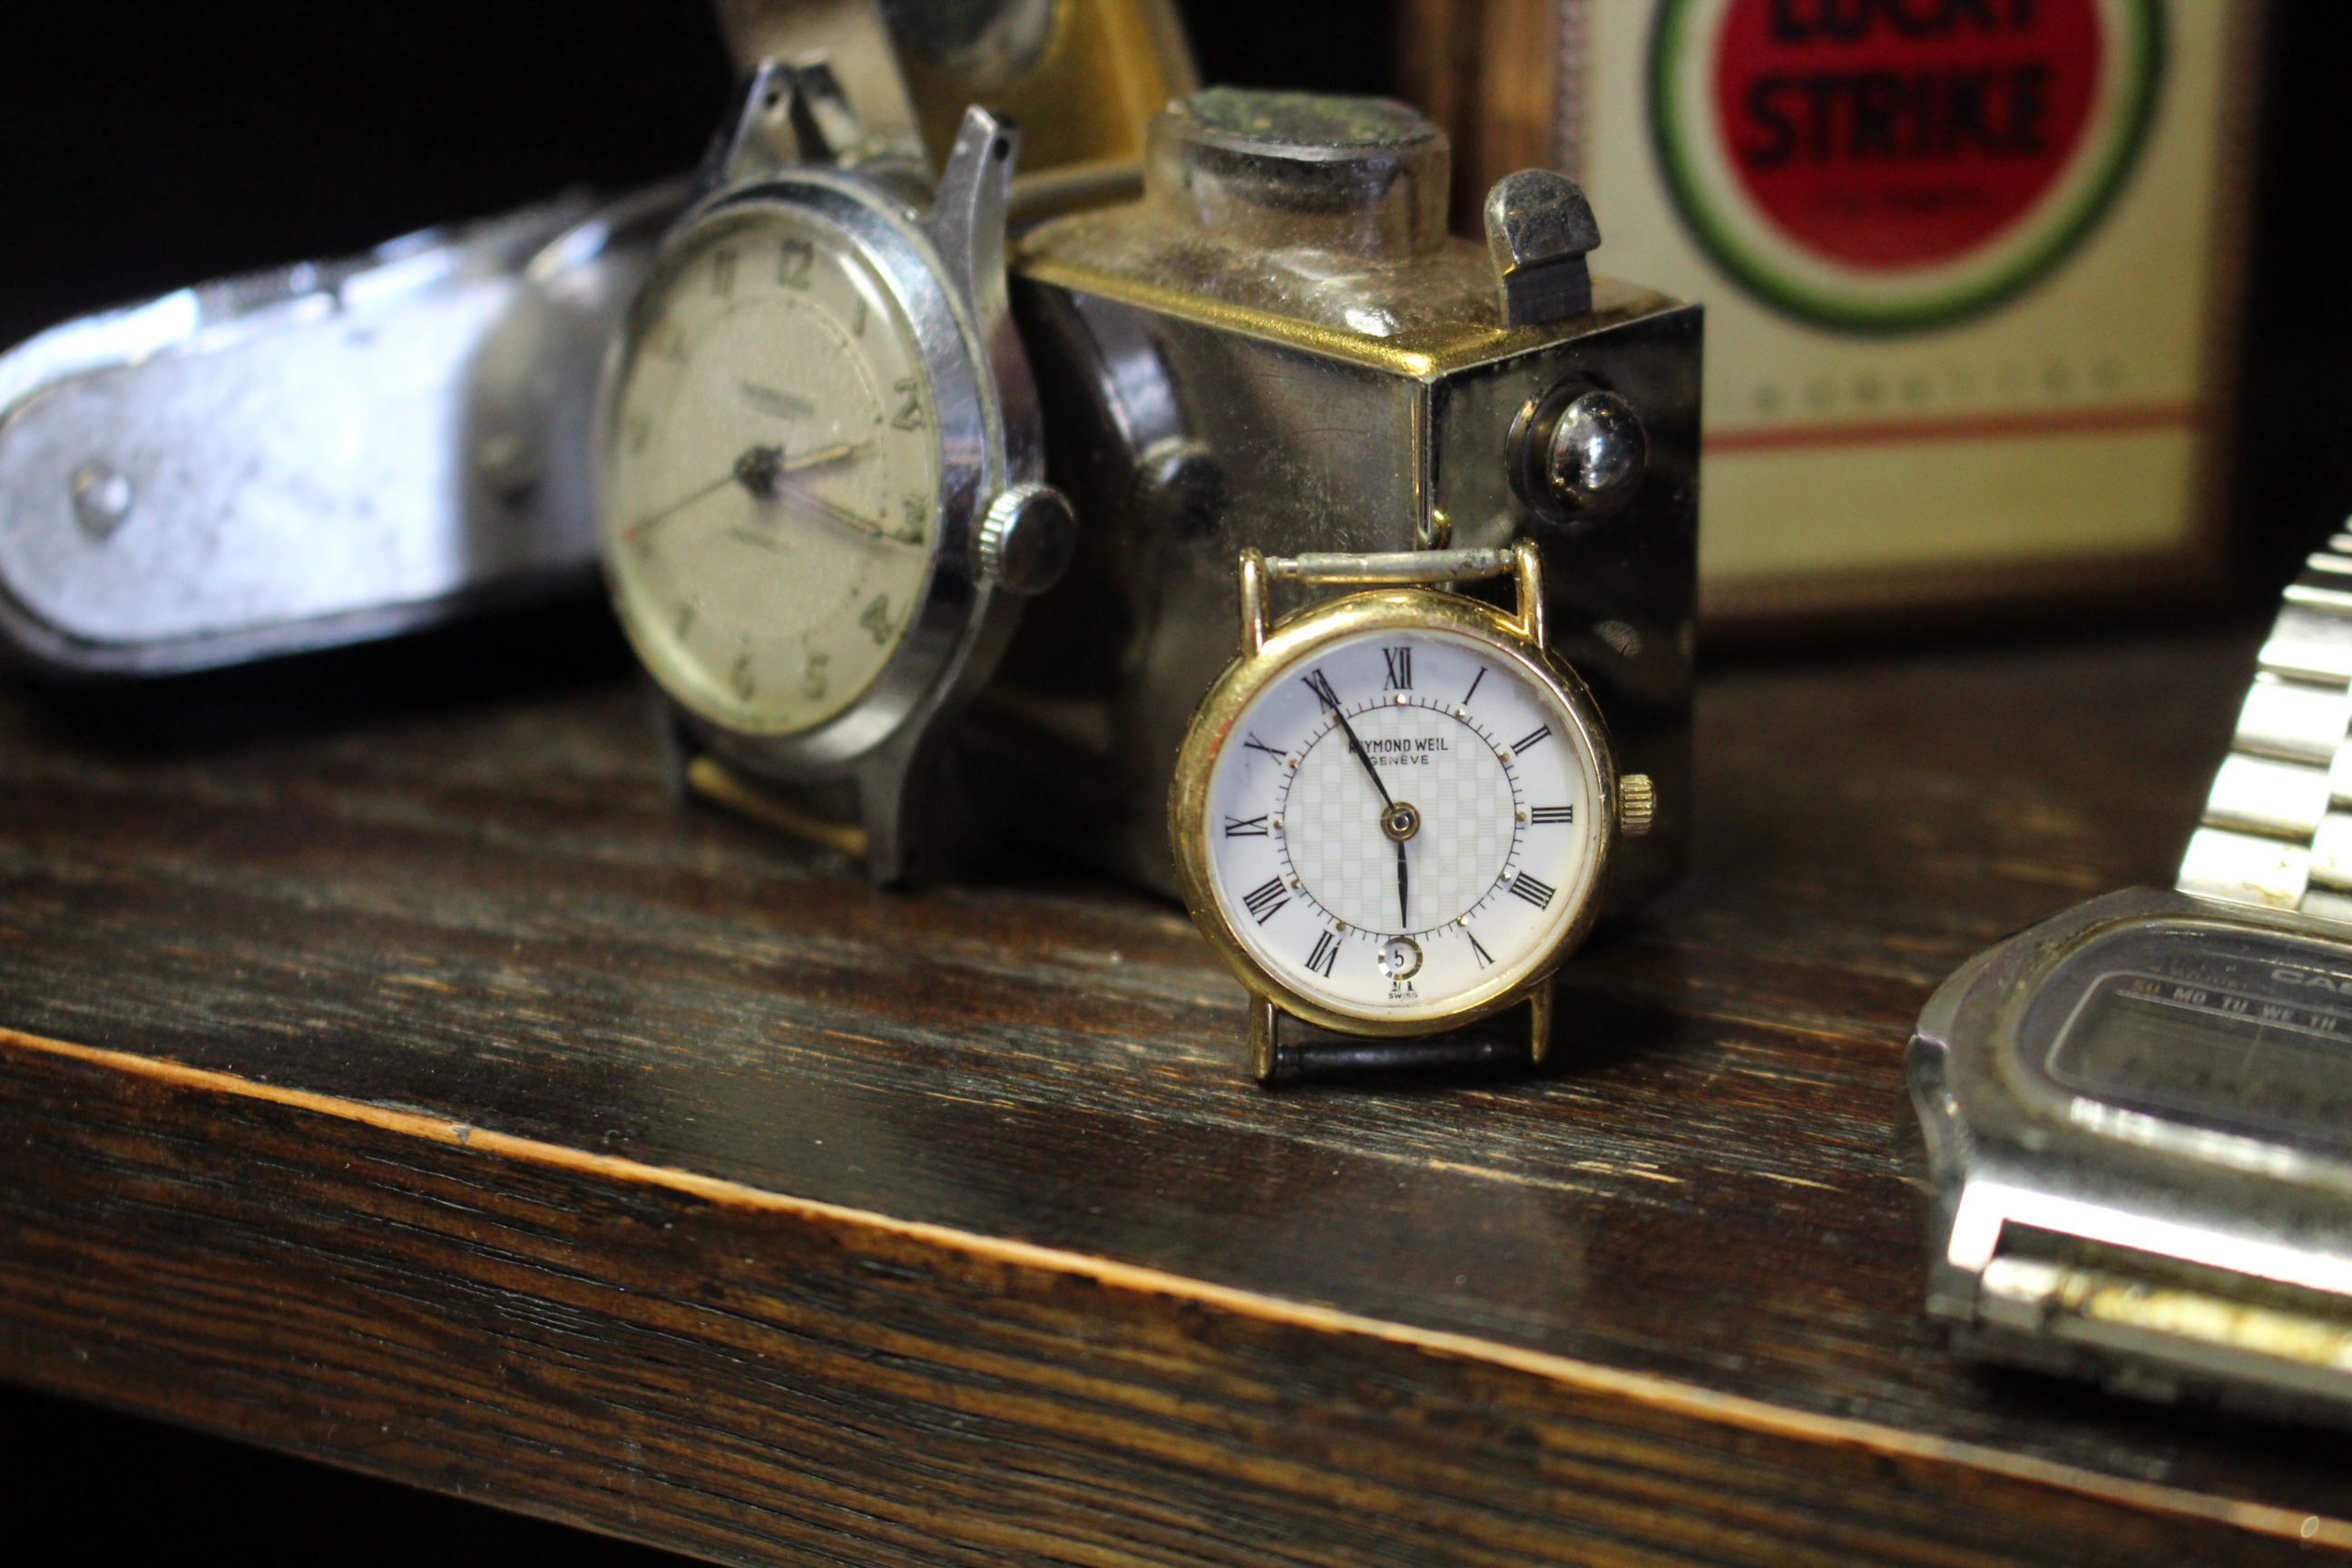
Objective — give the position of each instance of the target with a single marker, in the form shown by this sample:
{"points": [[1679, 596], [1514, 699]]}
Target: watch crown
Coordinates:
{"points": [[1637, 803], [1026, 537]]}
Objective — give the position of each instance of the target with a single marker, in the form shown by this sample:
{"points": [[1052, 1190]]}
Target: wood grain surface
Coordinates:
{"points": [[418, 1088]]}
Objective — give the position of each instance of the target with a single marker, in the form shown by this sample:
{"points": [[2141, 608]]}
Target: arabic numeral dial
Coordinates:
{"points": [[1399, 823], [768, 510]]}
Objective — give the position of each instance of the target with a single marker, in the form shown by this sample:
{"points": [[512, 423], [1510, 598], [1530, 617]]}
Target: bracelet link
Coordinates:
{"points": [[2274, 832]]}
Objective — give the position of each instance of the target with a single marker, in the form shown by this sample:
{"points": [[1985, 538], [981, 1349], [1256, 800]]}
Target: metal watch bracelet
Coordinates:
{"points": [[2277, 827]]}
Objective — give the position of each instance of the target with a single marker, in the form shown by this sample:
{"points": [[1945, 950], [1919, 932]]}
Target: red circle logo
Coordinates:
{"points": [[1885, 165], [1893, 134]]}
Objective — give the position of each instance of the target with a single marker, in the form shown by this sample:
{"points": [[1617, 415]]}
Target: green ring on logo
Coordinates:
{"points": [[1669, 45]]}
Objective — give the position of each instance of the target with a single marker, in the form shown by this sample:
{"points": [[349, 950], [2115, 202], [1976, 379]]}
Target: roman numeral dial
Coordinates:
{"points": [[1400, 819]]}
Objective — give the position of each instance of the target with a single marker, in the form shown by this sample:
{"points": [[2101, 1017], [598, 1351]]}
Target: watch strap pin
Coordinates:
{"points": [[1521, 561], [1391, 566], [713, 781]]}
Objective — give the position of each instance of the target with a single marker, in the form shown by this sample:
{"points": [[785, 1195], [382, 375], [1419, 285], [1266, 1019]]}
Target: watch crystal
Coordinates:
{"points": [[771, 488], [2240, 1031], [1403, 823]]}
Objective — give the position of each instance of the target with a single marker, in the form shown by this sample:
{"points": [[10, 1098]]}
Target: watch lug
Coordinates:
{"points": [[1539, 1021], [673, 747], [787, 112], [967, 225], [853, 38], [1263, 1023], [881, 806], [968, 220], [904, 802], [755, 133], [1527, 567], [1252, 603]]}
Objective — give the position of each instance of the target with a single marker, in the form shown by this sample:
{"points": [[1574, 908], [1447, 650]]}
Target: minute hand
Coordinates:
{"points": [[790, 488], [1330, 699]]}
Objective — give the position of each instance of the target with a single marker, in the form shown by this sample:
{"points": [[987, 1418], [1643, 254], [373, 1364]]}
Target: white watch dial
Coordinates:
{"points": [[1403, 823], [771, 483]]}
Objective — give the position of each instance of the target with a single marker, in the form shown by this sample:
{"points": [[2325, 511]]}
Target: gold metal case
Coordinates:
{"points": [[1268, 656]]}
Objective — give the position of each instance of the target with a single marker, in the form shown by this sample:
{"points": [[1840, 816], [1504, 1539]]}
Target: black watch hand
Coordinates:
{"points": [[1330, 699], [1404, 912], [1362, 757]]}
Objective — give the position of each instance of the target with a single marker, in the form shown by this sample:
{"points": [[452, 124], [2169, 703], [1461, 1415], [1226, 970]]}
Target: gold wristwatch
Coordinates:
{"points": [[1395, 813]]}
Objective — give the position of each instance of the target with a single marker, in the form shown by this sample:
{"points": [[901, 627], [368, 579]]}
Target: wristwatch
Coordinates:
{"points": [[822, 455], [2136, 1117], [322, 454], [819, 484], [1394, 812]]}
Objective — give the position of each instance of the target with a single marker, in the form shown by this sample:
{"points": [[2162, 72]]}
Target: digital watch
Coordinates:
{"points": [[2137, 1115]]}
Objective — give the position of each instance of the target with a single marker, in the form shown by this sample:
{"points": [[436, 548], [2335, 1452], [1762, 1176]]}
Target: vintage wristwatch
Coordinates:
{"points": [[320, 454], [819, 488], [2136, 1116], [1395, 811], [822, 457]]}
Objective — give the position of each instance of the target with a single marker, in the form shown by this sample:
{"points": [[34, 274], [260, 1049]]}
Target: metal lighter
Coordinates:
{"points": [[1279, 348]]}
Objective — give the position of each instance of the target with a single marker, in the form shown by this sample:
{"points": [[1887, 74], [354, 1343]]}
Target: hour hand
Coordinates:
{"points": [[1330, 699], [761, 469], [826, 457]]}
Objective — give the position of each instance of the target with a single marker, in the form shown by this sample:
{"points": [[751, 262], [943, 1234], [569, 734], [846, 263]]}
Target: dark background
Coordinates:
{"points": [[147, 145]]}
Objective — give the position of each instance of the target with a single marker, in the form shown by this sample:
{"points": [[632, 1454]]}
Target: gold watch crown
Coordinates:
{"points": [[1637, 803]]}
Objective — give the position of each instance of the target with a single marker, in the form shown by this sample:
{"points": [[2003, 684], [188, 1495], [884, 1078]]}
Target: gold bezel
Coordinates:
{"points": [[1296, 638]]}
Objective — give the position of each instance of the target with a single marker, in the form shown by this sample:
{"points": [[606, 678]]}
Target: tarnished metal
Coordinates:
{"points": [[2137, 1115], [2168, 1211], [1244, 360], [1540, 230]]}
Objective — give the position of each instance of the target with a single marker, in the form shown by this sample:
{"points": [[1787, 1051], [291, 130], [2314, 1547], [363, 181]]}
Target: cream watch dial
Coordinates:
{"points": [[1403, 824], [771, 492]]}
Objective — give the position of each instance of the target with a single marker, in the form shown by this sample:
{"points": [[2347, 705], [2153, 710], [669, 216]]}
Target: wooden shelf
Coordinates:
{"points": [[429, 1094]]}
